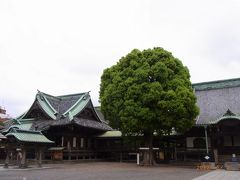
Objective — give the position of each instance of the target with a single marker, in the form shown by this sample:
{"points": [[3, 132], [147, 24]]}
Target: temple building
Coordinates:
{"points": [[69, 127], [217, 129]]}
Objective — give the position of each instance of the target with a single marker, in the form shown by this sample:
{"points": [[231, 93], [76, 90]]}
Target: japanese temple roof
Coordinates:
{"points": [[215, 98], [55, 106], [45, 124], [100, 114], [28, 136], [24, 124], [57, 111]]}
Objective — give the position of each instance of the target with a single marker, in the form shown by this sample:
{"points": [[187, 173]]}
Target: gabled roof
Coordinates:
{"points": [[216, 98], [28, 136], [58, 111], [57, 106]]}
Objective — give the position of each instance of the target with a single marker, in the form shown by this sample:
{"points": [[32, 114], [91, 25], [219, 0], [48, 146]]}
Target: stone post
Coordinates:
{"points": [[39, 157], [7, 159], [23, 163]]}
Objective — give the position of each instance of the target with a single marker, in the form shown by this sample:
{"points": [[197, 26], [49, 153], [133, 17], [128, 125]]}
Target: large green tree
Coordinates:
{"points": [[148, 91]]}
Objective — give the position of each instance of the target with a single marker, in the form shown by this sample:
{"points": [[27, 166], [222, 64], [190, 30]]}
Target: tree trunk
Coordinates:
{"points": [[148, 158]]}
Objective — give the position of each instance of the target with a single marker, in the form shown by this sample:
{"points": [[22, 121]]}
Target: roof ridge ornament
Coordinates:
{"points": [[229, 113]]}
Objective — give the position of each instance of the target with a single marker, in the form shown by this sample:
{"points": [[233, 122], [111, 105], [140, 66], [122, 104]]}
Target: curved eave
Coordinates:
{"points": [[30, 138], [224, 118], [45, 106], [96, 114], [21, 126], [49, 105], [78, 106], [218, 120]]}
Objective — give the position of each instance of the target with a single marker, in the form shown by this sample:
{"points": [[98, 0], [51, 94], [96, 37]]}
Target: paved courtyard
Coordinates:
{"points": [[220, 175], [100, 171]]}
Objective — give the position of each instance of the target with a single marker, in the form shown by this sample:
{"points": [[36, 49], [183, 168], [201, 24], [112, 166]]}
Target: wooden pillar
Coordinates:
{"points": [[7, 159]]}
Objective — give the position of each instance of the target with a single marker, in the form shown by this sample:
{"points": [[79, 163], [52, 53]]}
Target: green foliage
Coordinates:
{"points": [[148, 91]]}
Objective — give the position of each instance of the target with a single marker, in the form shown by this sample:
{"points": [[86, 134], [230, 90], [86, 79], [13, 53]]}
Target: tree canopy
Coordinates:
{"points": [[148, 91]]}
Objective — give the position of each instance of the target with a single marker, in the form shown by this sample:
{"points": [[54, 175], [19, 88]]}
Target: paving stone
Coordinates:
{"points": [[102, 171], [220, 175]]}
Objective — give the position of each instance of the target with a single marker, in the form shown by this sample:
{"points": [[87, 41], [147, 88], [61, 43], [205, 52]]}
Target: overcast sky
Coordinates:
{"points": [[62, 47]]}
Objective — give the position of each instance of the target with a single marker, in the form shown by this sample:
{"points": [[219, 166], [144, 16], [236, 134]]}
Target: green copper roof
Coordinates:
{"points": [[25, 125], [111, 134], [217, 84], [29, 136], [58, 110], [46, 106], [53, 106], [78, 106]]}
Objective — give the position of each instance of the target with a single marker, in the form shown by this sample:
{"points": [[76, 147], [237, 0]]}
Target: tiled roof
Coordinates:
{"points": [[63, 103], [60, 110], [29, 136], [57, 106], [43, 125], [92, 124], [216, 98], [100, 114]]}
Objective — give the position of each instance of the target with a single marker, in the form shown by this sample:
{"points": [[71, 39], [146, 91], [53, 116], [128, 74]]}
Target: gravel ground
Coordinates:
{"points": [[100, 171]]}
